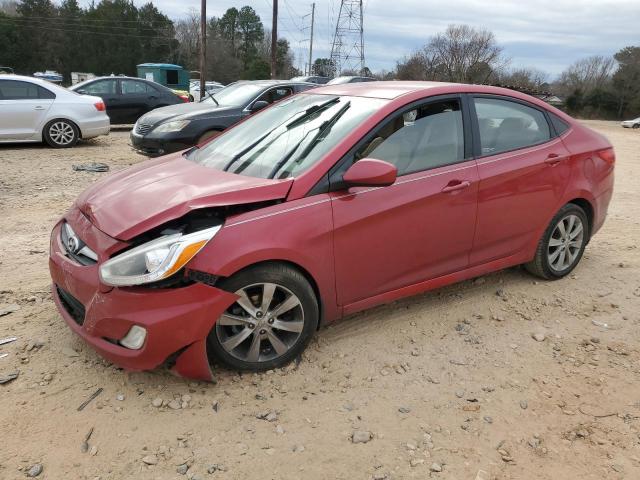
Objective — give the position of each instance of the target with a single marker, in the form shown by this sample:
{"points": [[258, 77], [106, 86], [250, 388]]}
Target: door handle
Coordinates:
{"points": [[553, 159], [39, 107], [455, 185]]}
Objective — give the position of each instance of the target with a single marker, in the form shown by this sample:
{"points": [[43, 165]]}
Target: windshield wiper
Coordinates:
{"points": [[296, 121], [311, 110], [324, 127], [210, 95]]}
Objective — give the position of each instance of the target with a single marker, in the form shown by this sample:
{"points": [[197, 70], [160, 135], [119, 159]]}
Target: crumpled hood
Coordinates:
{"points": [[135, 200], [186, 111]]}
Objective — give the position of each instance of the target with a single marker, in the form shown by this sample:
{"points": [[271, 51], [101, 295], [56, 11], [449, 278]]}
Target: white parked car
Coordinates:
{"points": [[211, 87], [635, 123], [34, 110]]}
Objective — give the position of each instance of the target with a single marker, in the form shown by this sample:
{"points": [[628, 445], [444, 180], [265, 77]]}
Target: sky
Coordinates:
{"points": [[545, 34]]}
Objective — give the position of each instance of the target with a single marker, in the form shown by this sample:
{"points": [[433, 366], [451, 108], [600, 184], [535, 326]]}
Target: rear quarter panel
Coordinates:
{"points": [[592, 178]]}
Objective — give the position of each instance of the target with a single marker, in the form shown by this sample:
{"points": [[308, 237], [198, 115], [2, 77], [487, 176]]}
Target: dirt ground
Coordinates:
{"points": [[446, 385]]}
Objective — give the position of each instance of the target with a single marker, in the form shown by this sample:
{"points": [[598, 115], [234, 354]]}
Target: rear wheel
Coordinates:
{"points": [[270, 324], [562, 245], [61, 133]]}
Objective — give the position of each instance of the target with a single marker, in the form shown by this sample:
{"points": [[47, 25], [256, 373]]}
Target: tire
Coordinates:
{"points": [[559, 253], [637, 125], [245, 341], [61, 133], [208, 136]]}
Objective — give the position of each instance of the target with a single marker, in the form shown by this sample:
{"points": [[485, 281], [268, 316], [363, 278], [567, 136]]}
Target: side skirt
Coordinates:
{"points": [[437, 282]]}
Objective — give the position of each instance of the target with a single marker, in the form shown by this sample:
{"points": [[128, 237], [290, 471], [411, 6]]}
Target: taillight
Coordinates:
{"points": [[100, 106], [184, 98], [608, 155]]}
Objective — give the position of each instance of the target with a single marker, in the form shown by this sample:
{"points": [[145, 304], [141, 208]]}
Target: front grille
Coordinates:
{"points": [[72, 305], [143, 128], [79, 254]]}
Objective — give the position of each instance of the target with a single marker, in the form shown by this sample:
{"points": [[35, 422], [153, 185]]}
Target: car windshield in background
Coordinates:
{"points": [[235, 95], [287, 138]]}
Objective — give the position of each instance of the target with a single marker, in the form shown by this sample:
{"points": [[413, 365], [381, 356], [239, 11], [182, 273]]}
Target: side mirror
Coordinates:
{"points": [[259, 105], [370, 172], [81, 91]]}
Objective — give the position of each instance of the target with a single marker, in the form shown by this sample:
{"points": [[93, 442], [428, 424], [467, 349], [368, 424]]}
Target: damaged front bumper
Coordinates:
{"points": [[177, 321]]}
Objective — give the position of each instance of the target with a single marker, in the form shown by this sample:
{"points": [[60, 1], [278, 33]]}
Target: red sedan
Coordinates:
{"points": [[328, 203]]}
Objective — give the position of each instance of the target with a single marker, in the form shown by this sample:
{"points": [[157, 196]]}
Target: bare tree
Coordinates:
{"points": [[9, 7], [188, 36], [586, 75], [530, 78], [459, 54]]}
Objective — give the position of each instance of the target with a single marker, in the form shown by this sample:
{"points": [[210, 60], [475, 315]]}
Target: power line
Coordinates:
{"points": [[82, 19], [93, 32], [28, 21]]}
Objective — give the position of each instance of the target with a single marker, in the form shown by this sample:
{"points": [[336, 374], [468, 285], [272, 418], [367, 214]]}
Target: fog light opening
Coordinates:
{"points": [[135, 338]]}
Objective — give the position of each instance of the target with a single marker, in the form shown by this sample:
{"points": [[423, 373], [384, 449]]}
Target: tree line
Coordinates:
{"points": [[593, 87], [113, 36]]}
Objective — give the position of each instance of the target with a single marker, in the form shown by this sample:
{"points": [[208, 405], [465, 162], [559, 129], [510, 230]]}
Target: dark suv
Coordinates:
{"points": [[177, 127]]}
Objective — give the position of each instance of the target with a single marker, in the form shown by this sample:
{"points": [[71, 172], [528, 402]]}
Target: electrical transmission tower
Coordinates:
{"points": [[347, 50]]}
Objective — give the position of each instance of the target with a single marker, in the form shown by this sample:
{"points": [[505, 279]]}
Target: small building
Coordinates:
{"points": [[77, 77], [167, 74]]}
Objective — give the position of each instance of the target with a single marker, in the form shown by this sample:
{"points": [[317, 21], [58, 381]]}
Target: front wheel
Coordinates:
{"points": [[61, 134], [270, 323], [562, 245]]}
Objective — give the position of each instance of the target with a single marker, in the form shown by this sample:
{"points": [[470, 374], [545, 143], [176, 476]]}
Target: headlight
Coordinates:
{"points": [[155, 260], [174, 126]]}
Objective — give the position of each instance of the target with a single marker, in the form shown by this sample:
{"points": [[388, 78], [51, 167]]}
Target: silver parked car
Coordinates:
{"points": [[210, 88], [635, 123], [33, 110]]}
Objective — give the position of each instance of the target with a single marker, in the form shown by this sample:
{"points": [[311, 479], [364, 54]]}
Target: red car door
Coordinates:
{"points": [[523, 176], [419, 228]]}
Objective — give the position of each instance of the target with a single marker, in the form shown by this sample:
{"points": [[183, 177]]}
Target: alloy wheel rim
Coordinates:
{"points": [[264, 323], [61, 133], [565, 243]]}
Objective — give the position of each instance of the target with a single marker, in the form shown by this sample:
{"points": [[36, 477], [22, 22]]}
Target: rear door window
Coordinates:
{"points": [[560, 125], [505, 125], [101, 87], [16, 90], [134, 87]]}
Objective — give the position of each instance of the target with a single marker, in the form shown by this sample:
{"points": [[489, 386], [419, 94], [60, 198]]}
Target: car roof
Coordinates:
{"points": [[116, 77], [393, 89], [25, 78], [270, 83], [161, 65]]}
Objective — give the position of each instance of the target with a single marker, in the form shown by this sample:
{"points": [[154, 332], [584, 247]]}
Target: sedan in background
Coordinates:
{"points": [[341, 80], [210, 88], [128, 98], [175, 128], [33, 110], [325, 204], [635, 123]]}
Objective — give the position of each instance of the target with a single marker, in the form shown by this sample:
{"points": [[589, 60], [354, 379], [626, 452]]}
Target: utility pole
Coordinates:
{"points": [[313, 15], [203, 46], [274, 38]]}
